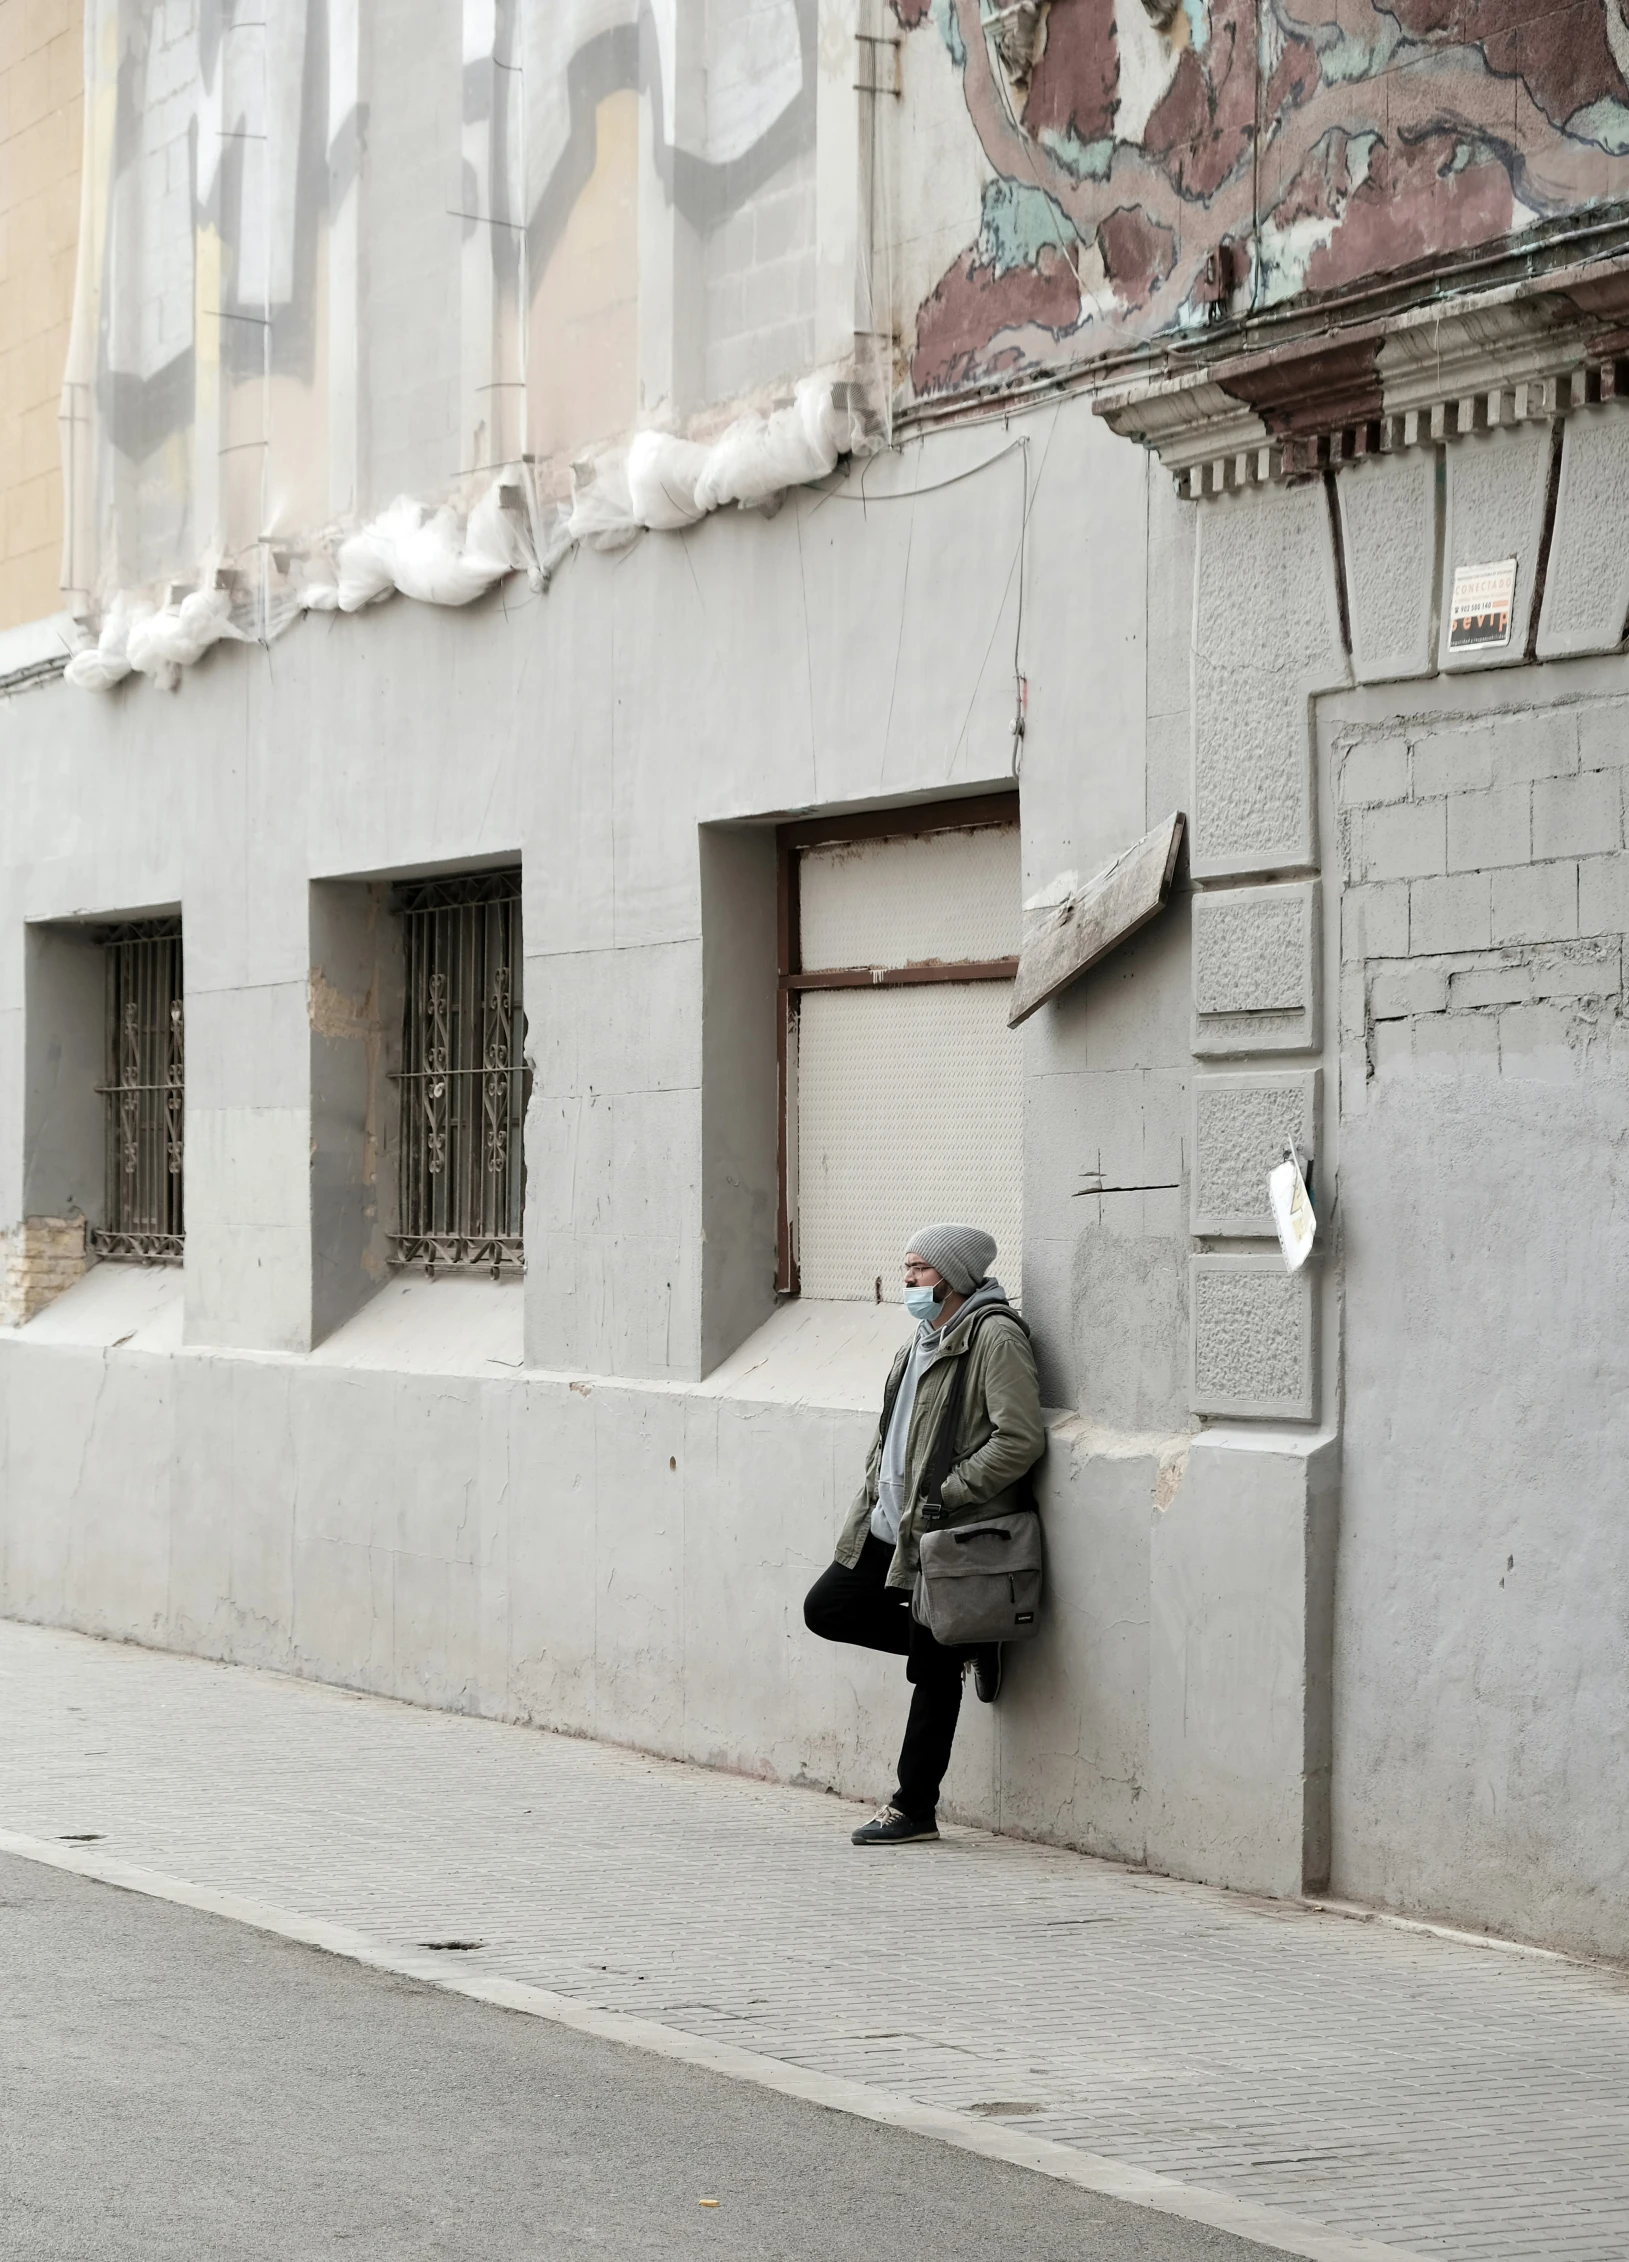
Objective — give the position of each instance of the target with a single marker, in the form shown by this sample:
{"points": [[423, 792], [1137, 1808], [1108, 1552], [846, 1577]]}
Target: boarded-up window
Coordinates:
{"points": [[903, 1090]]}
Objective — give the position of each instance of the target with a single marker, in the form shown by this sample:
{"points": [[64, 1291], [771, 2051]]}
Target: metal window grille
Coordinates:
{"points": [[463, 1084], [145, 1094]]}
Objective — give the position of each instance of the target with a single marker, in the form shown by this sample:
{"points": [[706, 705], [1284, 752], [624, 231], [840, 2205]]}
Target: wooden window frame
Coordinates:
{"points": [[910, 822]]}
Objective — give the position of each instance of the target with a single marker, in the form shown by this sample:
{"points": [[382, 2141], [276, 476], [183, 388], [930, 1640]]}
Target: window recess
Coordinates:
{"points": [[144, 1093], [901, 1087], [461, 1183]]}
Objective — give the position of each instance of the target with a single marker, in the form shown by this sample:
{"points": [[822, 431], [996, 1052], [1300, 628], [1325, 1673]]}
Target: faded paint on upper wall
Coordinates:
{"points": [[1146, 165], [463, 262], [330, 260], [39, 221]]}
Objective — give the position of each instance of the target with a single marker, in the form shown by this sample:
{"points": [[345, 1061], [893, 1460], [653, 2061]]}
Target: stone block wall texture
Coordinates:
{"points": [[41, 72], [1388, 519], [1241, 1127], [38, 1260], [1586, 587], [1266, 637], [1255, 969], [1254, 1352], [1498, 492], [1486, 895]]}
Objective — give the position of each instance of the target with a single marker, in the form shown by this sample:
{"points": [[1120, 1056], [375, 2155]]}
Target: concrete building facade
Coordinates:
{"points": [[1337, 1597]]}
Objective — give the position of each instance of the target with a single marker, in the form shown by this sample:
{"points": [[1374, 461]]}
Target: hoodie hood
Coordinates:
{"points": [[989, 1295]]}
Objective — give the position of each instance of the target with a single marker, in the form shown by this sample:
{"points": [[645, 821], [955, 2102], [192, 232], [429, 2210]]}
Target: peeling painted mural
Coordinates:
{"points": [[344, 271], [1148, 163]]}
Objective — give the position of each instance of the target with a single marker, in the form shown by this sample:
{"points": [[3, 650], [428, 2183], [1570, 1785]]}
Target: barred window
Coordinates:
{"points": [[145, 1094], [463, 1100]]}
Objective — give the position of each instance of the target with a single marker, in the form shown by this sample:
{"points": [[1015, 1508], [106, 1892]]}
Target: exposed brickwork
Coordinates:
{"points": [[38, 1260], [1487, 893]]}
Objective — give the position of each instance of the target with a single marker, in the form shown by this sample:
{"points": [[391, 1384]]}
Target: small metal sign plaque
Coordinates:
{"points": [[1480, 614]]}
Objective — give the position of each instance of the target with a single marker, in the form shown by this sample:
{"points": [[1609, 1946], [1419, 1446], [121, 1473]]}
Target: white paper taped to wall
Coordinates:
{"points": [[1292, 1210]]}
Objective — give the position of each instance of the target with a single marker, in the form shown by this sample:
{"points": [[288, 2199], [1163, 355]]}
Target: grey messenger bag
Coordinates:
{"points": [[975, 1582]]}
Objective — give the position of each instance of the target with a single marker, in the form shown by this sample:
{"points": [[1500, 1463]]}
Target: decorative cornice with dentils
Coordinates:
{"points": [[1536, 348]]}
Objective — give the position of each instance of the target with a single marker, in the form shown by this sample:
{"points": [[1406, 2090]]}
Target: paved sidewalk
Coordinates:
{"points": [[1439, 2098]]}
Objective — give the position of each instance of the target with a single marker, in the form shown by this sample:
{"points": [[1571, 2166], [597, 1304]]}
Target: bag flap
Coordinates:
{"points": [[1002, 1543]]}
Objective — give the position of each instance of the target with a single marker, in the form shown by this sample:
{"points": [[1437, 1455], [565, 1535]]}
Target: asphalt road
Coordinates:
{"points": [[173, 2085]]}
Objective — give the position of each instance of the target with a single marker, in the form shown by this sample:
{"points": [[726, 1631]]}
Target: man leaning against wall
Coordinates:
{"points": [[964, 1321]]}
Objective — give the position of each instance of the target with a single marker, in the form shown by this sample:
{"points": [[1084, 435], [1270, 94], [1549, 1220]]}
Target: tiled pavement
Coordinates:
{"points": [[1438, 2097]]}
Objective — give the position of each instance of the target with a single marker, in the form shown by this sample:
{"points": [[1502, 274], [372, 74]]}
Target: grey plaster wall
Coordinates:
{"points": [[65, 1060], [355, 1015], [596, 1500], [739, 1127], [610, 1559], [1484, 1574], [1480, 1766], [589, 1522], [1240, 1683]]}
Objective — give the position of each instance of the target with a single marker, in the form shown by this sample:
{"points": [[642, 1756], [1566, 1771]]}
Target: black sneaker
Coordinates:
{"points": [[987, 1673], [891, 1828]]}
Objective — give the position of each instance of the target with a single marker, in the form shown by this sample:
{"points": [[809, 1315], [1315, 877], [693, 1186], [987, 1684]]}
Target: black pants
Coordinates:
{"points": [[859, 1606]]}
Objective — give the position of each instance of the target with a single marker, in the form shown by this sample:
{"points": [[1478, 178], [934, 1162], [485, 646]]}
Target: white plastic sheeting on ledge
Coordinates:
{"points": [[426, 553], [657, 483], [157, 641], [671, 483]]}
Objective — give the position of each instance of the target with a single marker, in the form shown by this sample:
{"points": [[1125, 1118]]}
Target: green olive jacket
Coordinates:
{"points": [[999, 1437]]}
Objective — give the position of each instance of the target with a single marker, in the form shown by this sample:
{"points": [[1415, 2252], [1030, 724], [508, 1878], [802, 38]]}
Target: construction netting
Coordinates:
{"points": [[411, 295], [376, 298]]}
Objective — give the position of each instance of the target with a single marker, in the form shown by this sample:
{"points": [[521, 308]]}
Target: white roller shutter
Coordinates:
{"points": [[909, 1098], [907, 902]]}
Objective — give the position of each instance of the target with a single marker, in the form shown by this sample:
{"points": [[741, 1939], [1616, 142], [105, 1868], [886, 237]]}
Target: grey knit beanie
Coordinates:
{"points": [[960, 1254]]}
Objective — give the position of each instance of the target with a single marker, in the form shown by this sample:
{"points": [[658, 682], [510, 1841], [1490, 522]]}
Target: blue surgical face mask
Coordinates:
{"points": [[921, 1303]]}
